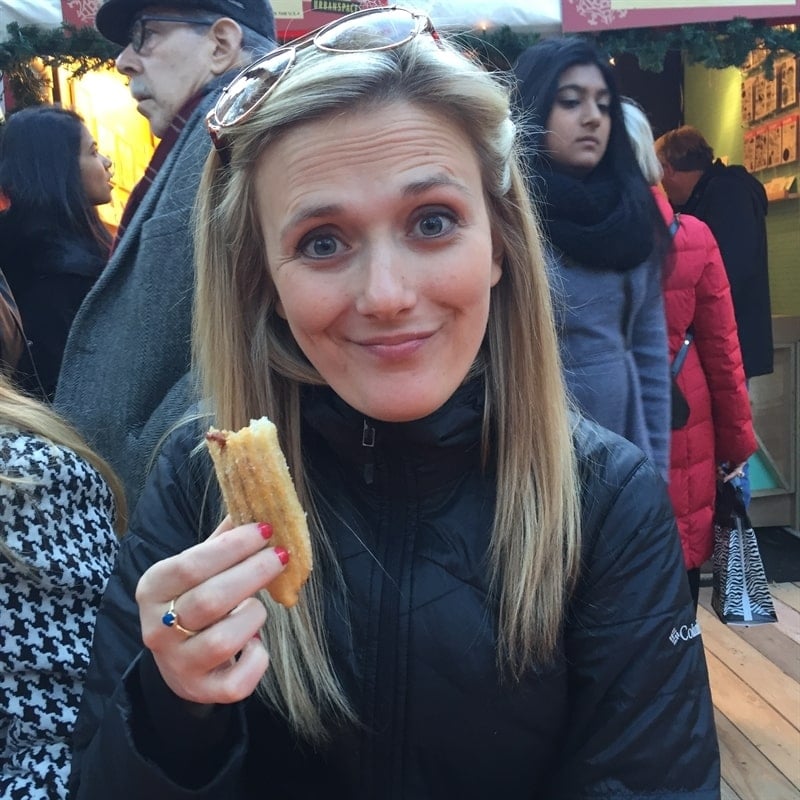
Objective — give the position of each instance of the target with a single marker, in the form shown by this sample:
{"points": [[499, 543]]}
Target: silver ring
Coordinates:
{"points": [[170, 619]]}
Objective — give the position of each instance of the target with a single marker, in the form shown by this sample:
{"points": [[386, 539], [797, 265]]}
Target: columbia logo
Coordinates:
{"points": [[684, 633]]}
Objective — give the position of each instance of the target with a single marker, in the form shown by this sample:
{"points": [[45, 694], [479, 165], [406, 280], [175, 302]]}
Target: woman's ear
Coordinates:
{"points": [[226, 36]]}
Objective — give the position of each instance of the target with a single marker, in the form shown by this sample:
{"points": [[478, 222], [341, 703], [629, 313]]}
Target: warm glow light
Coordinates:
{"points": [[102, 98]]}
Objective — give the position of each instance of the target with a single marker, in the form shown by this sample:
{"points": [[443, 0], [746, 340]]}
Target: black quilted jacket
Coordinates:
{"points": [[624, 711]]}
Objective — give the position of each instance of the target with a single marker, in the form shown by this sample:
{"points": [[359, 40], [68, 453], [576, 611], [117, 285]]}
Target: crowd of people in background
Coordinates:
{"points": [[459, 295]]}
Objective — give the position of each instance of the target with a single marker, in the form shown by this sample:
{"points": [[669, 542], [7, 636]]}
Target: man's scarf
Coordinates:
{"points": [[156, 162]]}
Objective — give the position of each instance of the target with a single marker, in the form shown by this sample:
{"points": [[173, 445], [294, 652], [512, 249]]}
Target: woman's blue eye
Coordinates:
{"points": [[319, 247], [433, 225]]}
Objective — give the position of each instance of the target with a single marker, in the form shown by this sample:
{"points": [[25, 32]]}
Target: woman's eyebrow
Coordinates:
{"points": [[421, 186], [309, 213], [582, 89]]}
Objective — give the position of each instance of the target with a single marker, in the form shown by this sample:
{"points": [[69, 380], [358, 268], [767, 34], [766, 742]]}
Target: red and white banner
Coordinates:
{"points": [[598, 15]]}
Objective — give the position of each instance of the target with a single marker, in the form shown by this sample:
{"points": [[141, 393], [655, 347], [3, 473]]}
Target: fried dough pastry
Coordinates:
{"points": [[256, 487]]}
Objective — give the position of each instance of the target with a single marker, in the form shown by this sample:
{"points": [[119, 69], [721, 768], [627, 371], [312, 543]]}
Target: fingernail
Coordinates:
{"points": [[265, 529], [283, 555]]}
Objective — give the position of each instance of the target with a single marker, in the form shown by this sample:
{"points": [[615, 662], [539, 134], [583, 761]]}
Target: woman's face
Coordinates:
{"points": [[380, 247], [95, 171], [579, 123]]}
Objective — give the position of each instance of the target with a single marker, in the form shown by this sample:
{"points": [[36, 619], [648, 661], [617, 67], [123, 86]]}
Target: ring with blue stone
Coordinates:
{"points": [[170, 619]]}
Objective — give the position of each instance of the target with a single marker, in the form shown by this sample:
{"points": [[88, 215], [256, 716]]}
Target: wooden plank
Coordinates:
{"points": [[788, 593], [776, 738], [726, 793], [747, 773], [767, 639], [788, 620], [757, 671], [772, 643]]}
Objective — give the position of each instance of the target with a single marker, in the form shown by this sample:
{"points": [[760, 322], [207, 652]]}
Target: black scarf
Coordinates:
{"points": [[592, 221]]}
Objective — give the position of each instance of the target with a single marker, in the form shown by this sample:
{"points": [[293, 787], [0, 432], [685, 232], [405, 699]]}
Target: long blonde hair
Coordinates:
{"points": [[249, 364], [23, 413]]}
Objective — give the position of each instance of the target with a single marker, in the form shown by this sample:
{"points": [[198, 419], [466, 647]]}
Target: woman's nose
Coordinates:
{"points": [[592, 114], [386, 289]]}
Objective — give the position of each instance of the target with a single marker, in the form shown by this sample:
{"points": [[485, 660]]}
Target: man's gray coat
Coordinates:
{"points": [[125, 375]]}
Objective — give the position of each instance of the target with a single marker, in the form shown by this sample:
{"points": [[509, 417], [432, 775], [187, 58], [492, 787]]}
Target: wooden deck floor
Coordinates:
{"points": [[755, 682]]}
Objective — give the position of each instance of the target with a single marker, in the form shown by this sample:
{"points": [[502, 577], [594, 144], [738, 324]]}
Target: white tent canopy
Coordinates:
{"points": [[30, 12], [520, 15]]}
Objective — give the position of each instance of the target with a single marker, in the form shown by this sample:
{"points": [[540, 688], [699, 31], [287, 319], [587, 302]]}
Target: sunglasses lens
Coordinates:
{"points": [[252, 86], [369, 31]]}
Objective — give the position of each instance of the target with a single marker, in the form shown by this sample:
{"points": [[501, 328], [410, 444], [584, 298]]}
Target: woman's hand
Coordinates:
{"points": [[212, 653], [736, 472]]}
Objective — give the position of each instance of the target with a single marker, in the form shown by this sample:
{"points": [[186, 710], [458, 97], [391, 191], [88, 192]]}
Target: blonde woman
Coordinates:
{"points": [[496, 583], [59, 506]]}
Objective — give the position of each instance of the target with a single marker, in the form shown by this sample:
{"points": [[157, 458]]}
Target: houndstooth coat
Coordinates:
{"points": [[56, 553]]}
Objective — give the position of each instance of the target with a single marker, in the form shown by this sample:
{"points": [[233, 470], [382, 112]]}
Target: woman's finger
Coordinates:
{"points": [[202, 606], [173, 576], [224, 526], [238, 680], [198, 668]]}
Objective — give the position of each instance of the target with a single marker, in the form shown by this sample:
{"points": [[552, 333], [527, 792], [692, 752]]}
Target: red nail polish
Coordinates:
{"points": [[283, 555], [265, 529]]}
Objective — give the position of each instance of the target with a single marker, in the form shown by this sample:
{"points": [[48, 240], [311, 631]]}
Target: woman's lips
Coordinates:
{"points": [[397, 346]]}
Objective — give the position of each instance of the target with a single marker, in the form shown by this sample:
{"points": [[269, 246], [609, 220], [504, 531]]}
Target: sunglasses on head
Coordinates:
{"points": [[364, 31]]}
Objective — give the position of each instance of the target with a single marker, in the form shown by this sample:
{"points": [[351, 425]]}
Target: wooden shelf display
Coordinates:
{"points": [[769, 114]]}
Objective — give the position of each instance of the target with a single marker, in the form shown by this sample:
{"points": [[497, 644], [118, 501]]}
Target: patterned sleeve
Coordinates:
{"points": [[56, 553]]}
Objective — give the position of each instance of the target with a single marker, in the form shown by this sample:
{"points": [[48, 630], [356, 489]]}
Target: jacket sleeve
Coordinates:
{"points": [[651, 352], [641, 718], [717, 342], [728, 209], [177, 509]]}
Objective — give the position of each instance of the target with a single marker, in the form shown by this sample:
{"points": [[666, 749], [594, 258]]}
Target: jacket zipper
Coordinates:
{"points": [[368, 440], [382, 774]]}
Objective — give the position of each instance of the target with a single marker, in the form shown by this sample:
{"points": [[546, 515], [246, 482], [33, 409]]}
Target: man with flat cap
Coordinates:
{"points": [[125, 375]]}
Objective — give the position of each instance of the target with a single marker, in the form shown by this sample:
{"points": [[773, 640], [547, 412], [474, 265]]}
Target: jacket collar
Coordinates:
{"points": [[435, 447]]}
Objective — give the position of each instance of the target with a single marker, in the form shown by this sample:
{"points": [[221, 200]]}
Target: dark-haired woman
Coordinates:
{"points": [[606, 236], [53, 245]]}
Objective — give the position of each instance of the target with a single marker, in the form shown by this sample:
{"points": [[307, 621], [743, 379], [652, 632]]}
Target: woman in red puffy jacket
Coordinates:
{"points": [[718, 436]]}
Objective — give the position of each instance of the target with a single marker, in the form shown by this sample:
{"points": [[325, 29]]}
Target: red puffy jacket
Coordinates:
{"points": [[720, 425]]}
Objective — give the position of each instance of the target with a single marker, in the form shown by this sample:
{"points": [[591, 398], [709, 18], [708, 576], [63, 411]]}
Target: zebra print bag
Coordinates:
{"points": [[740, 593]]}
